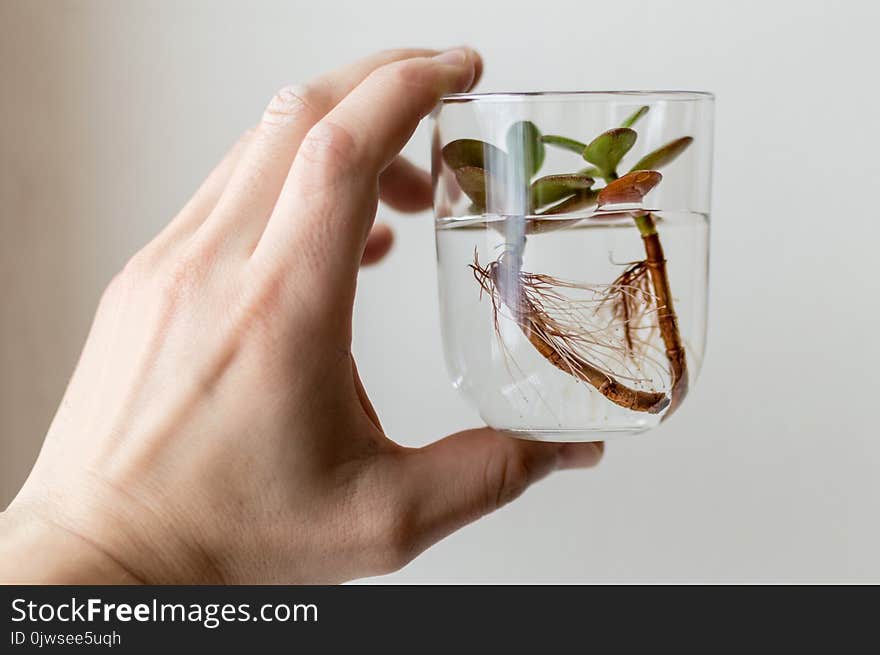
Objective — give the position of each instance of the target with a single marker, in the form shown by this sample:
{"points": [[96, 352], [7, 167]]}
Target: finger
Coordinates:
{"points": [[405, 187], [332, 187], [205, 198], [577, 455], [378, 244], [463, 477], [244, 207]]}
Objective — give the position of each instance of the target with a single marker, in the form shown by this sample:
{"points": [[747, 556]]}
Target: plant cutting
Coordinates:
{"points": [[620, 336]]}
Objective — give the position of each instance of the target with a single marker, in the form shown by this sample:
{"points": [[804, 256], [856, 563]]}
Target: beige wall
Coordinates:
{"points": [[110, 113], [48, 219]]}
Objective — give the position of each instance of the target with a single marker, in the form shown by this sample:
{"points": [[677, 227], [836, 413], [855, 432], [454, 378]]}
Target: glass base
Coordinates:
{"points": [[573, 436]]}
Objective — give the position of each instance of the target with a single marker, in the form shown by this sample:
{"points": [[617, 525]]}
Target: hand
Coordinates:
{"points": [[215, 428]]}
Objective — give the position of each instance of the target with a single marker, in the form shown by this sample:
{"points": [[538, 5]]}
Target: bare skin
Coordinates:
{"points": [[215, 429]]}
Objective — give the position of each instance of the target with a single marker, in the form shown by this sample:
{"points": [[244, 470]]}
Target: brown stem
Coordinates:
{"points": [[666, 318]]}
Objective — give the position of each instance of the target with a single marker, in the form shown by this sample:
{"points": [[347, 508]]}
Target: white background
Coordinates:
{"points": [[111, 113]]}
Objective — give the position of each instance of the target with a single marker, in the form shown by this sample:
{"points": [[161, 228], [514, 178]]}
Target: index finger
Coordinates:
{"points": [[332, 185]]}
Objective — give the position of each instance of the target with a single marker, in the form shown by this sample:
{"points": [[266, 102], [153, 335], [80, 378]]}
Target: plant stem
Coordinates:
{"points": [[666, 318]]}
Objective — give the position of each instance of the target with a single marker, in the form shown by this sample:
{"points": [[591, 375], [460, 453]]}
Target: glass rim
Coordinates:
{"points": [[591, 96]]}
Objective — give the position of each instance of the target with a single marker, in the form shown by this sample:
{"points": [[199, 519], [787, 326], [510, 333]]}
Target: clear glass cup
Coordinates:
{"points": [[572, 247]]}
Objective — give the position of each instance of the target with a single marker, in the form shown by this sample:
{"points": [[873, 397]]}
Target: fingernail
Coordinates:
{"points": [[454, 57], [580, 455]]}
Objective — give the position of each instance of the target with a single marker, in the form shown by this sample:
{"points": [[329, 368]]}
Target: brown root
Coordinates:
{"points": [[630, 302], [571, 335]]}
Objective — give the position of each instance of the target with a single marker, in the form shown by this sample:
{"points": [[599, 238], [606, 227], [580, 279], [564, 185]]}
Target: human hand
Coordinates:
{"points": [[215, 428]]}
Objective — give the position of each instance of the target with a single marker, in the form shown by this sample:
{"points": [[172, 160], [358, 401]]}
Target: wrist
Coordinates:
{"points": [[34, 550]]}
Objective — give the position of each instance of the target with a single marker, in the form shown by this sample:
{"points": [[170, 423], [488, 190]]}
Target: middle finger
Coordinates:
{"points": [[244, 206]]}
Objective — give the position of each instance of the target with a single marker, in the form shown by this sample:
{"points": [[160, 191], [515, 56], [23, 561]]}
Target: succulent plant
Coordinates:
{"points": [[485, 172], [504, 181]]}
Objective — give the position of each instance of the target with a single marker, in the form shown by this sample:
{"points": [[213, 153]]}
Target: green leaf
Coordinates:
{"points": [[472, 180], [524, 145], [471, 152], [663, 155], [607, 149], [590, 171], [564, 142], [553, 188], [580, 200], [635, 116], [630, 188]]}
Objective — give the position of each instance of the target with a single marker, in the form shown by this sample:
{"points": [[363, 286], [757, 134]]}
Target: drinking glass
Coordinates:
{"points": [[572, 238]]}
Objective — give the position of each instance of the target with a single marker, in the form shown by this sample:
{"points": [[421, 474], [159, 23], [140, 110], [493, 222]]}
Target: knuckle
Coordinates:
{"points": [[391, 538], [507, 477], [136, 268], [399, 551], [134, 274], [181, 277], [290, 104], [116, 288], [330, 147], [409, 73]]}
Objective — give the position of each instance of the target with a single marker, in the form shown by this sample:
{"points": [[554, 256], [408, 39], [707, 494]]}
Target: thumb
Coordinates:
{"points": [[460, 478]]}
